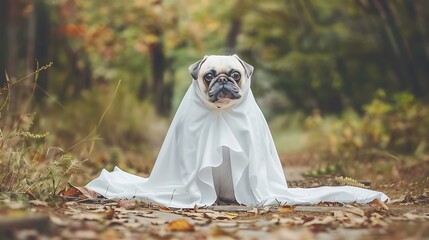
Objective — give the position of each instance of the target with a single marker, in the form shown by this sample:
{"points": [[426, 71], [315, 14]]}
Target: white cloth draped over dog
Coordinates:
{"points": [[182, 175]]}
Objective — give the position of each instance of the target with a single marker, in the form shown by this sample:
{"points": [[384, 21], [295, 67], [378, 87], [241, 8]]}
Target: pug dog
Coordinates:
{"points": [[223, 80], [219, 149]]}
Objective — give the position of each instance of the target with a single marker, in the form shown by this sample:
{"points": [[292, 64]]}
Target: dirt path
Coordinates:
{"points": [[136, 220], [88, 219], [129, 219]]}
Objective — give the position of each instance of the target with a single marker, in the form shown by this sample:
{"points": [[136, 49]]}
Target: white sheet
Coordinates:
{"points": [[182, 176]]}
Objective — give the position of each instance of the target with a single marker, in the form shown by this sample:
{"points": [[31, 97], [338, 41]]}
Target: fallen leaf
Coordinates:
{"points": [[98, 210], [353, 221], [165, 209], [218, 215], [192, 214], [231, 214], [89, 193], [72, 211], [219, 233], [146, 215], [110, 213], [79, 192], [58, 221], [401, 199], [255, 211], [317, 228], [285, 209], [354, 210], [121, 221], [378, 205], [124, 213], [265, 210], [307, 218], [127, 204], [88, 216], [288, 221], [181, 225], [70, 192], [338, 214], [324, 221], [111, 204]]}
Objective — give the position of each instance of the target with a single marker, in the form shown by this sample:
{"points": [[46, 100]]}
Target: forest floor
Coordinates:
{"points": [[407, 217]]}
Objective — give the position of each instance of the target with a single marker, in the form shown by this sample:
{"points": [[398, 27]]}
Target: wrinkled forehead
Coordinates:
{"points": [[221, 64]]}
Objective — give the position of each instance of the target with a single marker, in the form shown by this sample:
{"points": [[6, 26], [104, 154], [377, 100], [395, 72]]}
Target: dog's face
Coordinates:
{"points": [[221, 78]]}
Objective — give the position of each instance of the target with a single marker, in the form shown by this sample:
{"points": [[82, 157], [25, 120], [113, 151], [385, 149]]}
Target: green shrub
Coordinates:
{"points": [[389, 127]]}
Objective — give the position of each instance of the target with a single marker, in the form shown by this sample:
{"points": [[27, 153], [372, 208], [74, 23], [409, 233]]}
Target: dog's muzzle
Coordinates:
{"points": [[224, 88]]}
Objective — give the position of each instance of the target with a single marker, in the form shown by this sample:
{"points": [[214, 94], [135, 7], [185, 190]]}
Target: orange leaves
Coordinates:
{"points": [[378, 205], [285, 209], [74, 30], [180, 225], [78, 192], [70, 192]]}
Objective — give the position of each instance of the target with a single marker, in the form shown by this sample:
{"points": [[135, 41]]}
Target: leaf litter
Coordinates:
{"points": [[83, 217], [87, 216]]}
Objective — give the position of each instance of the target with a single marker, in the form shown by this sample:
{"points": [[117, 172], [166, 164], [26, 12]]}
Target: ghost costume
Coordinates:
{"points": [[209, 152]]}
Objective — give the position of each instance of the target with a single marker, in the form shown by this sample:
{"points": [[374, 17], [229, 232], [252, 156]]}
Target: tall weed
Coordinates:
{"points": [[26, 165]]}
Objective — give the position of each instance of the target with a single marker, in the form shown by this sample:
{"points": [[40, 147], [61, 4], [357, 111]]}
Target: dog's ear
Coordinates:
{"points": [[247, 67], [195, 68]]}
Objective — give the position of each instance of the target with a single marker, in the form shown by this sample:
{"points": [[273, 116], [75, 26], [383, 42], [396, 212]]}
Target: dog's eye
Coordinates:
{"points": [[208, 77], [236, 76]]}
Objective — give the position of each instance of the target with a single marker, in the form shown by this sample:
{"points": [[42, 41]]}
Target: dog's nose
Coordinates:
{"points": [[223, 80]]}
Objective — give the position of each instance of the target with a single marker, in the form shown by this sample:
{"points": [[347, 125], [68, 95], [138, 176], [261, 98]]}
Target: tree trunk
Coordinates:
{"points": [[157, 66], [398, 44], [234, 31], [3, 40], [31, 32], [12, 54], [26, 86], [416, 14], [12, 38], [43, 36], [238, 11]]}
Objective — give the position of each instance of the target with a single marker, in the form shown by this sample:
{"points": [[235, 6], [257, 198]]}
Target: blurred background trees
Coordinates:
{"points": [[328, 56], [334, 55]]}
